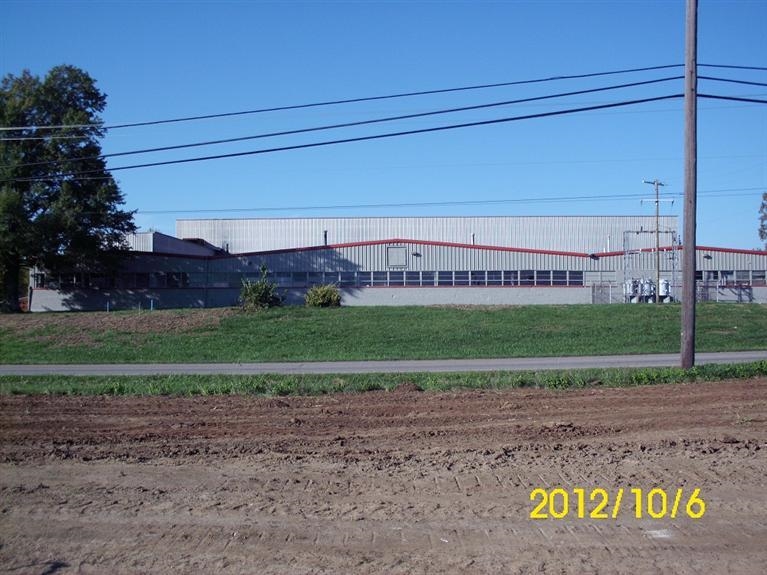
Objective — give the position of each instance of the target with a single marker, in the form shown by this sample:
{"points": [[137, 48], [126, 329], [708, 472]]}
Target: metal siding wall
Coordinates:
{"points": [[560, 233]]}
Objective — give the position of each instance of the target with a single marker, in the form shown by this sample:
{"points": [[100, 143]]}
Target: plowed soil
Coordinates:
{"points": [[384, 482]]}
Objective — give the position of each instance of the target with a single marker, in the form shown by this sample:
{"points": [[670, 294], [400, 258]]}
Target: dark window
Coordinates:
{"points": [[445, 278], [380, 278], [576, 279], [157, 280], [396, 278], [413, 278], [510, 278], [347, 279], [427, 278], [758, 277], [478, 278], [527, 277], [495, 278], [315, 278], [461, 279], [559, 278], [726, 277], [298, 279], [543, 278]]}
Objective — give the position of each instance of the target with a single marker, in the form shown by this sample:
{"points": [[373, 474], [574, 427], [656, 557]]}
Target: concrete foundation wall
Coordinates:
{"points": [[96, 300], [465, 296]]}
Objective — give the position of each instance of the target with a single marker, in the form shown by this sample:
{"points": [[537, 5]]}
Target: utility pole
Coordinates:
{"points": [[687, 358], [657, 183]]}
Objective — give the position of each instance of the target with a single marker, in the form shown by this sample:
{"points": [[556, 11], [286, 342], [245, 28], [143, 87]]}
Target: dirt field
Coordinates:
{"points": [[397, 482]]}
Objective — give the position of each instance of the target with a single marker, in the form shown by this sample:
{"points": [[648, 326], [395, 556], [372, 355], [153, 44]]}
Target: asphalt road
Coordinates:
{"points": [[403, 366]]}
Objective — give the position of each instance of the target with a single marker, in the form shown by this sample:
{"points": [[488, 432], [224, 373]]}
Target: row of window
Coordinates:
{"points": [[139, 280], [732, 277]]}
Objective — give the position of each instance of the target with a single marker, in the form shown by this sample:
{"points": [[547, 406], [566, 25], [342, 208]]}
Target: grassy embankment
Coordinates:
{"points": [[297, 334], [302, 334]]}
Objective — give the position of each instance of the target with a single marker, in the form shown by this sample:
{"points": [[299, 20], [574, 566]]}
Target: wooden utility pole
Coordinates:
{"points": [[690, 184]]}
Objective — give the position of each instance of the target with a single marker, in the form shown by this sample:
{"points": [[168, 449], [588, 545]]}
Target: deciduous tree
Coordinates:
{"points": [[60, 208]]}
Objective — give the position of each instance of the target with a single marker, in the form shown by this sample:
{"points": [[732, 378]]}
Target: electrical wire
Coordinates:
{"points": [[733, 67], [344, 101], [732, 81], [440, 204], [354, 124], [733, 98], [360, 138]]}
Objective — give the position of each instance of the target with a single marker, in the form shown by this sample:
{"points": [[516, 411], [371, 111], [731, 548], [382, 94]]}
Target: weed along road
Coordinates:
{"points": [[403, 366]]}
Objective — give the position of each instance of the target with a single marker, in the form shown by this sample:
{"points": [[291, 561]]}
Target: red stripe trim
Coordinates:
{"points": [[395, 241]]}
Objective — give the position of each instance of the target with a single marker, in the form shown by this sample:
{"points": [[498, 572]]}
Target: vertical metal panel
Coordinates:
{"points": [[559, 233]]}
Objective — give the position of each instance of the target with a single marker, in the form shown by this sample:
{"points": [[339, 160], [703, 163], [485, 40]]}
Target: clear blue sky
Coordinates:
{"points": [[158, 60]]}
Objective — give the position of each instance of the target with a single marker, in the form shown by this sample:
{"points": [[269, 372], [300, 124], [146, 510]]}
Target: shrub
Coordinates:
{"points": [[323, 296], [260, 294]]}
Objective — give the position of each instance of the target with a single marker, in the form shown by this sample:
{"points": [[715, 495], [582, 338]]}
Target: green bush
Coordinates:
{"points": [[323, 296], [260, 294]]}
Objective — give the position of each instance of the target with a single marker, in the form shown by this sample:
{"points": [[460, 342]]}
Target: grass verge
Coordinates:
{"points": [[281, 385], [372, 333]]}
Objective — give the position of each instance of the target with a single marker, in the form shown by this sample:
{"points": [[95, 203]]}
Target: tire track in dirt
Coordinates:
{"points": [[398, 482]]}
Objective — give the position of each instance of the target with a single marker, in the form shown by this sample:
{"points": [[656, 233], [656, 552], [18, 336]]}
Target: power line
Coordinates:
{"points": [[732, 81], [433, 204], [345, 101], [361, 138], [733, 67], [355, 124], [733, 98]]}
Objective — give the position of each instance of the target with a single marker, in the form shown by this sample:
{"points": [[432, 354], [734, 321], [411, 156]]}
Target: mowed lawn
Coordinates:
{"points": [[304, 334]]}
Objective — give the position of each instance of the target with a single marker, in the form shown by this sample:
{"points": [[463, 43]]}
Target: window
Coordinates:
{"points": [[478, 278], [726, 277], [527, 277], [495, 278], [71, 280], [758, 277], [380, 279], [177, 279], [315, 278], [510, 278], [559, 278], [157, 280], [461, 278], [576, 279], [396, 278], [413, 278], [743, 276], [283, 279], [543, 278], [347, 279], [427, 278], [298, 279], [444, 278], [396, 256]]}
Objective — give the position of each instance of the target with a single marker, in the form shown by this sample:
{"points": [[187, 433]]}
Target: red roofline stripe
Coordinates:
{"points": [[395, 241]]}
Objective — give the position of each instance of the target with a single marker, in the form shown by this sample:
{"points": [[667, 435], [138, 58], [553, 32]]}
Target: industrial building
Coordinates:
{"points": [[505, 260]]}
